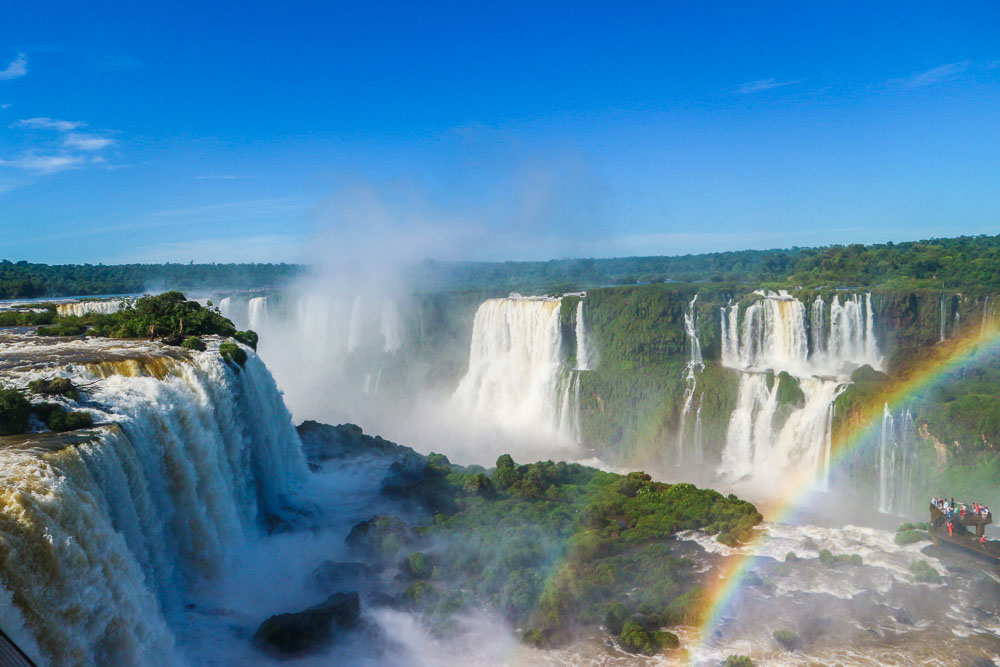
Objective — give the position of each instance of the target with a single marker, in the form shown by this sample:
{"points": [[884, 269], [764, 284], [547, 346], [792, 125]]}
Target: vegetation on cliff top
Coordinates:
{"points": [[555, 547]]}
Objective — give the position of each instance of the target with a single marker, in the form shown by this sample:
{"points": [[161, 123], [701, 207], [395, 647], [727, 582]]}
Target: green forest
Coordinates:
{"points": [[24, 280], [970, 263]]}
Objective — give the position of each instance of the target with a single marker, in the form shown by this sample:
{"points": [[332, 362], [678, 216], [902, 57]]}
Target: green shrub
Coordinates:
{"points": [[418, 565], [738, 661], [231, 352], [636, 639], [15, 412], [787, 639], [21, 318], [791, 557], [62, 420], [828, 558], [58, 419], [248, 338], [194, 343], [666, 639], [62, 330], [54, 387], [910, 536], [924, 572], [420, 593]]}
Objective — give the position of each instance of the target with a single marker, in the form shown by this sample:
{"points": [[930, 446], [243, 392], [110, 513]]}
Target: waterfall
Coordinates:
{"points": [[81, 308], [852, 333], [691, 370], [516, 378], [257, 317], [943, 319], [106, 532], [583, 361], [818, 326], [764, 439], [896, 463], [226, 307], [391, 328], [355, 328]]}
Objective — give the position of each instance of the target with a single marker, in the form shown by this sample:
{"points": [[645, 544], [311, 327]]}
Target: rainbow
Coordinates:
{"points": [[941, 361]]}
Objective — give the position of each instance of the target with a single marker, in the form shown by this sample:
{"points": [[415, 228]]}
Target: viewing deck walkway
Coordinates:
{"points": [[962, 537]]}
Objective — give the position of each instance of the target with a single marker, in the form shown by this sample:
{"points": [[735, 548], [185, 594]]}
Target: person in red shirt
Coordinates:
{"points": [[951, 528]]}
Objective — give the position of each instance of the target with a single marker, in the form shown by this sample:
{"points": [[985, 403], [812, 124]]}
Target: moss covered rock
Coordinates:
{"points": [[233, 353], [194, 343]]}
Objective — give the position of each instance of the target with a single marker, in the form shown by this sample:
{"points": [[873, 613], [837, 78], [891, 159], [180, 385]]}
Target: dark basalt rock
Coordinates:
{"points": [[296, 634]]}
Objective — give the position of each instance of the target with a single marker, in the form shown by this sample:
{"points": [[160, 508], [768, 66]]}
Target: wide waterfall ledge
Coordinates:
{"points": [[108, 531]]}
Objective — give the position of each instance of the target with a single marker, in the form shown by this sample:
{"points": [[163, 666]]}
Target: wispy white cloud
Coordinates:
{"points": [[934, 75], [5, 106], [86, 142], [44, 164], [43, 123], [760, 85], [16, 68]]}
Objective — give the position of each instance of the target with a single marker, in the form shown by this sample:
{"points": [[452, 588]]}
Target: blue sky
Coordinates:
{"points": [[294, 131]]}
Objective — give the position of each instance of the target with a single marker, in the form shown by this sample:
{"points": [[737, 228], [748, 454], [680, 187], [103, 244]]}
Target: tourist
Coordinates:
{"points": [[951, 529], [982, 541]]}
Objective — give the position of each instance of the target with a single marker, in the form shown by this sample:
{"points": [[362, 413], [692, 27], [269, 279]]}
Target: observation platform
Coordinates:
{"points": [[967, 532]]}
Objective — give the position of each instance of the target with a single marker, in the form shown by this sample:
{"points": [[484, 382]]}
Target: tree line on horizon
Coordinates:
{"points": [[964, 262]]}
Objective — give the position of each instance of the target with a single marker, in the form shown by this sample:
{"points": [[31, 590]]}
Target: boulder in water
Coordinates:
{"points": [[296, 634]]}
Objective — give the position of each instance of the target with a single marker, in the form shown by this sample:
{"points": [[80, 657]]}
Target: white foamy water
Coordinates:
{"points": [[106, 532], [81, 308]]}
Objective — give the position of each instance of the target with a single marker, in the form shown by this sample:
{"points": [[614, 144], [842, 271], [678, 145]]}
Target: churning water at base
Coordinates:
{"points": [[106, 532]]}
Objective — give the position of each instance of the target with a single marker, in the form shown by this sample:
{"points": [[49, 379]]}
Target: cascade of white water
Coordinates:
{"points": [[773, 337], [226, 307], [583, 361], [987, 319], [691, 370], [516, 379], [391, 329], [81, 308], [852, 333], [105, 534], [886, 459], [943, 319], [355, 327], [896, 464], [818, 326], [257, 317]]}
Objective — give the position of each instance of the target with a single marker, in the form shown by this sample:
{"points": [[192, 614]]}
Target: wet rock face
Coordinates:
{"points": [[300, 633]]}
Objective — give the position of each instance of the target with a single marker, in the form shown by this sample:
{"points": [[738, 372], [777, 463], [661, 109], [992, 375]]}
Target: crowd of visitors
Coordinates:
{"points": [[951, 509]]}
